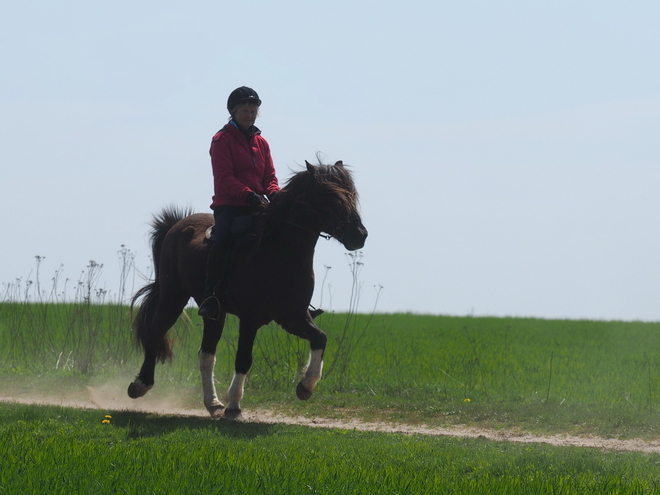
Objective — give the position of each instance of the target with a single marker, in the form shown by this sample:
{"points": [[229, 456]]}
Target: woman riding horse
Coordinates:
{"points": [[243, 173]]}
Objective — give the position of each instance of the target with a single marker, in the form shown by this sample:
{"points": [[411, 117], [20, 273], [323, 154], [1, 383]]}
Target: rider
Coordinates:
{"points": [[243, 179]]}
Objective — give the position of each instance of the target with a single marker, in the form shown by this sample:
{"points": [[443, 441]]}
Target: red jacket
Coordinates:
{"points": [[240, 166]]}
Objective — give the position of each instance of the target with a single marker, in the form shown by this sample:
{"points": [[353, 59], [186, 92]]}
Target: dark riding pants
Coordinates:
{"points": [[218, 260]]}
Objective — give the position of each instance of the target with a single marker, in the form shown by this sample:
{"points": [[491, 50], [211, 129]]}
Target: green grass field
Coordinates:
{"points": [[538, 375], [543, 376], [59, 450]]}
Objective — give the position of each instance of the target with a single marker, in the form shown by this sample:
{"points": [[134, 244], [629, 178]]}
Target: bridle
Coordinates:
{"points": [[327, 237]]}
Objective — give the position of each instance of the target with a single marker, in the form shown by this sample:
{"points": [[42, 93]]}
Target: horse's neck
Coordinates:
{"points": [[293, 231], [297, 238]]}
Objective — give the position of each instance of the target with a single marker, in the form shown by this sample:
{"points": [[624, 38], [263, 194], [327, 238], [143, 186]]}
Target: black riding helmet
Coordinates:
{"points": [[241, 95]]}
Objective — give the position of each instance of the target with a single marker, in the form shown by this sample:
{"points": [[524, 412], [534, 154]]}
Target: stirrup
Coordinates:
{"points": [[316, 312], [210, 308]]}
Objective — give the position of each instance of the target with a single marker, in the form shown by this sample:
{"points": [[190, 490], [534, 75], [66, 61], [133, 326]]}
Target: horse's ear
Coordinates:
{"points": [[339, 164], [310, 167]]}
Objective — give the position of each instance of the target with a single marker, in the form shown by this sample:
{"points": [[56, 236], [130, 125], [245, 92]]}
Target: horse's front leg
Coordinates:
{"points": [[306, 329], [212, 333], [246, 335]]}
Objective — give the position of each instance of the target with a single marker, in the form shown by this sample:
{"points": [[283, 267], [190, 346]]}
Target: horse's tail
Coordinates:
{"points": [[150, 293]]}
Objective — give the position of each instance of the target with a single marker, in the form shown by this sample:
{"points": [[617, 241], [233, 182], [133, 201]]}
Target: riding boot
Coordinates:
{"points": [[215, 268]]}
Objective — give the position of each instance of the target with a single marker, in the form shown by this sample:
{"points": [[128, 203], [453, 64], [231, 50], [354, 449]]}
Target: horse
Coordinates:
{"points": [[273, 280]]}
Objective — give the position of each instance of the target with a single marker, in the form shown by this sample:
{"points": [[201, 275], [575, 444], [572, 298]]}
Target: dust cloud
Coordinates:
{"points": [[111, 396]]}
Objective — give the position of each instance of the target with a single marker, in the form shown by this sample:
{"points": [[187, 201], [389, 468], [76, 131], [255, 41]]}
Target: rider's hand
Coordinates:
{"points": [[254, 199]]}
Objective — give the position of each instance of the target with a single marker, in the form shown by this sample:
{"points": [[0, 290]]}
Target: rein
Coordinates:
{"points": [[327, 237]]}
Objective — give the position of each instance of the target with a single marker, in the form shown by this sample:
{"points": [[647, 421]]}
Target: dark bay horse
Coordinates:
{"points": [[272, 281]]}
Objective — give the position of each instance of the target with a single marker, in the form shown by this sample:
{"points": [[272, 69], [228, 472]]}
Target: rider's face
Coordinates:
{"points": [[245, 114]]}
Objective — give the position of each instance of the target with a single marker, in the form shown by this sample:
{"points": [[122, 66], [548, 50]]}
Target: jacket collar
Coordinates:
{"points": [[249, 133]]}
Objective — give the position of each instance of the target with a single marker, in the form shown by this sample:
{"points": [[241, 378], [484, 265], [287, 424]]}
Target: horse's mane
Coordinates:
{"points": [[318, 188], [338, 175]]}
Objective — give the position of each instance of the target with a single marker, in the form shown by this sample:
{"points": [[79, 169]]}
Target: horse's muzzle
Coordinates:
{"points": [[355, 239]]}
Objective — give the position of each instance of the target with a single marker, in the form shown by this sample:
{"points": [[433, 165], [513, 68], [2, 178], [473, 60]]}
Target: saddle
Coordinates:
{"points": [[243, 231]]}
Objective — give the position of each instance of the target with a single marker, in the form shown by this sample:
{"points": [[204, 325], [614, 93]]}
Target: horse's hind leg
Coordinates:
{"points": [[306, 329], [246, 335], [164, 318], [212, 333]]}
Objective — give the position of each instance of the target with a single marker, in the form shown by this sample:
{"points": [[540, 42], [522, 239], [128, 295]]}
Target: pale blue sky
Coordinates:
{"points": [[506, 153]]}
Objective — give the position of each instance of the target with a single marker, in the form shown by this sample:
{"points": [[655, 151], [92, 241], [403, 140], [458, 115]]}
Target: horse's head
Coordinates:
{"points": [[321, 198], [333, 194]]}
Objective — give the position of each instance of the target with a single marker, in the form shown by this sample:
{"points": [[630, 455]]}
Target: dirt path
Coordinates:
{"points": [[102, 400]]}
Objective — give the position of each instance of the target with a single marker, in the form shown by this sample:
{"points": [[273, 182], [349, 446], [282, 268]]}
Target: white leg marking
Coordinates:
{"points": [[206, 366], [314, 370], [235, 392]]}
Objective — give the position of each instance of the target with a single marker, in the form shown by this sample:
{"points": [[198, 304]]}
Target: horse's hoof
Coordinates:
{"points": [[302, 392], [233, 414], [137, 389], [216, 410]]}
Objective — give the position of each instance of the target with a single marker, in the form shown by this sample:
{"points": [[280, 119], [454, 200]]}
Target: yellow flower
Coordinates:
{"points": [[105, 422], [466, 400], [107, 416]]}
